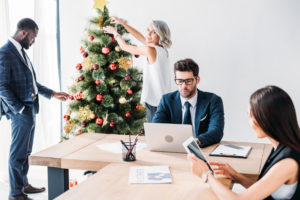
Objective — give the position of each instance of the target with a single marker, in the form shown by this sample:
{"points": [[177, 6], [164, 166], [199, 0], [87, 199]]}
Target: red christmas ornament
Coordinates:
{"points": [[97, 82], [83, 124], [112, 38], [78, 96], [85, 54], [66, 117], [137, 56], [78, 66], [112, 124], [99, 121], [142, 131], [129, 92], [99, 97], [71, 97], [112, 66], [127, 114], [137, 106], [81, 50], [79, 132], [95, 66], [105, 50], [127, 78], [91, 38], [81, 78]]}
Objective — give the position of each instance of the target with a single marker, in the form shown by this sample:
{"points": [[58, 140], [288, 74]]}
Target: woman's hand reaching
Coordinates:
{"points": [[110, 30], [116, 20], [225, 169]]}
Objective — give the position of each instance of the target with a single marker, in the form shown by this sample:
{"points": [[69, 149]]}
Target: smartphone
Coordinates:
{"points": [[192, 147]]}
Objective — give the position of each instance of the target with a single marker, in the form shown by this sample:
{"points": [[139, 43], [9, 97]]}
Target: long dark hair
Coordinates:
{"points": [[274, 112]]}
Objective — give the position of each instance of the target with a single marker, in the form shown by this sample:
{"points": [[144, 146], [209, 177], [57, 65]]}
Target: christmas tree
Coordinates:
{"points": [[106, 94]]}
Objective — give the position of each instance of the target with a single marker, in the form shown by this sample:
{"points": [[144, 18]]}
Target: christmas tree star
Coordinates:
{"points": [[100, 4]]}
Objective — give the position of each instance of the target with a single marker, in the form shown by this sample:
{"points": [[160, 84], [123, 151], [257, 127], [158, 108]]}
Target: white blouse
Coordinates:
{"points": [[156, 78], [285, 191]]}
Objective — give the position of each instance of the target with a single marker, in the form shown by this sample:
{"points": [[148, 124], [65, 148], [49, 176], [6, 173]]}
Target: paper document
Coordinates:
{"points": [[231, 150], [150, 174], [116, 147]]}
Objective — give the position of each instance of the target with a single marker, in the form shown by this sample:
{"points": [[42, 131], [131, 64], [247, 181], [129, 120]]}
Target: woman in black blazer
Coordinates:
{"points": [[272, 116]]}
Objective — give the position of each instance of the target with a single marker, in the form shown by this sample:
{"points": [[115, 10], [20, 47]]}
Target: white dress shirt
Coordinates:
{"points": [[193, 102]]}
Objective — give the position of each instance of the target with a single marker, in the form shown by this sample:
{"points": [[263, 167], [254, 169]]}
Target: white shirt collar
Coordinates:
{"points": [[16, 44], [192, 101]]}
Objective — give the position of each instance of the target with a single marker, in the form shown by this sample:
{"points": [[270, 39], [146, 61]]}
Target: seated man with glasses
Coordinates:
{"points": [[189, 105]]}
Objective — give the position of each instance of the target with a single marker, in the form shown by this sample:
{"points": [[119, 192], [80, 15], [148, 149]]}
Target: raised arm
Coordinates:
{"points": [[147, 51], [130, 29]]}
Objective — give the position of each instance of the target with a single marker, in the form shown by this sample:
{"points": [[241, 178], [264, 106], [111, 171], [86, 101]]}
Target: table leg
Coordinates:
{"points": [[58, 181]]}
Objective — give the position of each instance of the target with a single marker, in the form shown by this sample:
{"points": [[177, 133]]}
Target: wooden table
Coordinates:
{"points": [[83, 152]]}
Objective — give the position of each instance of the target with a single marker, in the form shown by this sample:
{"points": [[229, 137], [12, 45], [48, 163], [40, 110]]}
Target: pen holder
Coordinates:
{"points": [[128, 151]]}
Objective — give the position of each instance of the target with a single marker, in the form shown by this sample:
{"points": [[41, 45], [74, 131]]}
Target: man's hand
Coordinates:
{"points": [[60, 96]]}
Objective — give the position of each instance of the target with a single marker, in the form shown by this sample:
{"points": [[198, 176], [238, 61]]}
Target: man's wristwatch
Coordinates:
{"points": [[205, 176]]}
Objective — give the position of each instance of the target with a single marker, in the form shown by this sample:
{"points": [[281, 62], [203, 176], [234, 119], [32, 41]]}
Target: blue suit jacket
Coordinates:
{"points": [[209, 116], [16, 84]]}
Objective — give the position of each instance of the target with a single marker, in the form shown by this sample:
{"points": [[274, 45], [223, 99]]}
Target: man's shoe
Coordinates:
{"points": [[29, 189], [19, 197]]}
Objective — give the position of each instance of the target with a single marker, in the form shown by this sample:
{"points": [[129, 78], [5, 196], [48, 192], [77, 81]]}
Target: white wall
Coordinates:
{"points": [[239, 45]]}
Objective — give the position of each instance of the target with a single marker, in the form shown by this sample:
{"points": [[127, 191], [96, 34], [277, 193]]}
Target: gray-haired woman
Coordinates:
{"points": [[156, 78]]}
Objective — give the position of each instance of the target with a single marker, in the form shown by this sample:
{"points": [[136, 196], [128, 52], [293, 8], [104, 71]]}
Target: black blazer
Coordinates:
{"points": [[280, 153]]}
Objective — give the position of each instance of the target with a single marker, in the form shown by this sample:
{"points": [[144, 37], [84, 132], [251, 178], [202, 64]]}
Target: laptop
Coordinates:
{"points": [[167, 137]]}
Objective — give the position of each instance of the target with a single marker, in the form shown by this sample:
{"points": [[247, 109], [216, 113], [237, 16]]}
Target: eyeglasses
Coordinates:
{"points": [[188, 81]]}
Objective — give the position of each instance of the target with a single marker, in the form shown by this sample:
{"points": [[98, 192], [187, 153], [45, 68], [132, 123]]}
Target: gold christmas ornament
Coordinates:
{"points": [[92, 116], [87, 64], [68, 112], [69, 126], [101, 22], [129, 62], [77, 80], [142, 108], [122, 100], [105, 120], [118, 48], [88, 32], [123, 63], [100, 4], [84, 113]]}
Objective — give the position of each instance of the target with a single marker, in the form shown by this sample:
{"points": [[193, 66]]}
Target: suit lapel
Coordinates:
{"points": [[178, 109], [16, 52], [199, 110]]}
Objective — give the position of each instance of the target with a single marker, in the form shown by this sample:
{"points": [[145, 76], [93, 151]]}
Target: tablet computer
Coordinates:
{"points": [[192, 147]]}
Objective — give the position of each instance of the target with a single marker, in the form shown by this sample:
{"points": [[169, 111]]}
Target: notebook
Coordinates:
{"points": [[150, 174], [230, 150]]}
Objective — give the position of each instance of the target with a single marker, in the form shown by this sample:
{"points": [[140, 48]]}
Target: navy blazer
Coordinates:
{"points": [[209, 116], [16, 83]]}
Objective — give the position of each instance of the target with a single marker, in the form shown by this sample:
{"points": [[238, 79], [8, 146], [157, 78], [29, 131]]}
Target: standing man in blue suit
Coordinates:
{"points": [[19, 101], [189, 105]]}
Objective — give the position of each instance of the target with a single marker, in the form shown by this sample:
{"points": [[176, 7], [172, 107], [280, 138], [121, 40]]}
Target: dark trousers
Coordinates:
{"points": [[22, 135], [150, 111]]}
